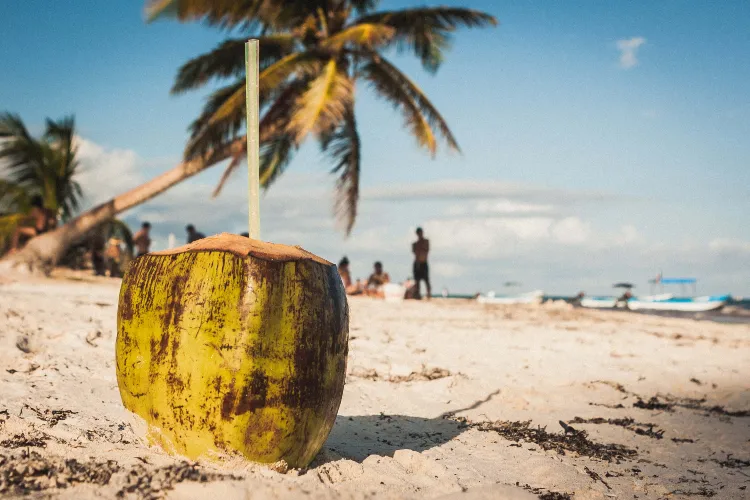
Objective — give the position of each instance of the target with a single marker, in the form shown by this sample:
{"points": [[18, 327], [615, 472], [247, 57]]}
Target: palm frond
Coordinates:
{"points": [[8, 224], [321, 108], [228, 60], [362, 35], [344, 148], [275, 154], [273, 137], [228, 14], [363, 6], [420, 114], [223, 115], [11, 125], [13, 197], [426, 30]]}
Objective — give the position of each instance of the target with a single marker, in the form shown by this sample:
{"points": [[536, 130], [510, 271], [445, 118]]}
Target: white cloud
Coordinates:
{"points": [[510, 207], [445, 269], [457, 189], [571, 231], [628, 48], [106, 172], [729, 246]]}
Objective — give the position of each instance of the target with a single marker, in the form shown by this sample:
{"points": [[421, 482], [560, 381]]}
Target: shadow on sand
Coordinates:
{"points": [[357, 437]]}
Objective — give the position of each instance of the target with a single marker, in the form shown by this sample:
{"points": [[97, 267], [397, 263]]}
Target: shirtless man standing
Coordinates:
{"points": [[142, 240], [420, 249]]}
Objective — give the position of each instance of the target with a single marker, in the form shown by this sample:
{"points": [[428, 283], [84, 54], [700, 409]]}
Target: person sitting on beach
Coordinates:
{"points": [[346, 278], [142, 240], [411, 291], [192, 234], [39, 221], [376, 280]]}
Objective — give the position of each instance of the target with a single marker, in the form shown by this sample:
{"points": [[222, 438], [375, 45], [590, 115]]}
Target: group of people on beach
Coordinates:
{"points": [[113, 256], [108, 256], [375, 284]]}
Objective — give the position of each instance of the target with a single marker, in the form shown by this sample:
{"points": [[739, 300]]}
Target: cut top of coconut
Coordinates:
{"points": [[244, 247]]}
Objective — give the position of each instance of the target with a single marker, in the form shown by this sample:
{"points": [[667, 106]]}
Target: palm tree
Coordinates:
{"points": [[44, 167], [313, 55]]}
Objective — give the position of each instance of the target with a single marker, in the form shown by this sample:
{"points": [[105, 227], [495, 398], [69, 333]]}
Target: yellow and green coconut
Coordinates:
{"points": [[232, 344]]}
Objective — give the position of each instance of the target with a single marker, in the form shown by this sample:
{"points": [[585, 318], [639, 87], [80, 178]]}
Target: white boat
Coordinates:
{"points": [[534, 297], [666, 302], [599, 302]]}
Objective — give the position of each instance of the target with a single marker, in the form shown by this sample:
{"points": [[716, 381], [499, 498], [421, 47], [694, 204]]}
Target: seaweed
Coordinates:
{"points": [[571, 440], [643, 429]]}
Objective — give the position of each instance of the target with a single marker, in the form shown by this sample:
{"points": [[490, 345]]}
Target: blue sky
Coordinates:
{"points": [[581, 165]]}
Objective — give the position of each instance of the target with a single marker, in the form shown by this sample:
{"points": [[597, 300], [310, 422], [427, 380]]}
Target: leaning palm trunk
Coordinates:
{"points": [[42, 252]]}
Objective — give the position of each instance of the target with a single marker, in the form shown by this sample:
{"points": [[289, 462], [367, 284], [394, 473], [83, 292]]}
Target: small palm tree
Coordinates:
{"points": [[314, 53], [44, 167]]}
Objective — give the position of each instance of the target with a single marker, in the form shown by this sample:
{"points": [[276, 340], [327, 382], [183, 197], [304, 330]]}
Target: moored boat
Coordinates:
{"points": [[599, 302], [679, 304]]}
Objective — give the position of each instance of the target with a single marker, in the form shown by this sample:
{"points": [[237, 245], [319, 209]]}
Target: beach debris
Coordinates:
{"points": [[233, 344], [643, 429], [562, 443], [92, 336], [732, 463], [23, 441], [696, 381], [667, 402], [31, 472], [425, 374], [154, 483], [52, 417], [596, 477], [653, 404], [683, 440], [701, 492], [568, 429], [545, 494], [31, 367], [365, 373], [23, 344]]}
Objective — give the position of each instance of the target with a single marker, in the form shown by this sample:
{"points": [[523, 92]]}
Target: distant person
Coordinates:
{"points": [[577, 301], [346, 278], [420, 249], [245, 234], [113, 255], [192, 234], [142, 240], [39, 221], [623, 300], [410, 290], [98, 260], [376, 280]]}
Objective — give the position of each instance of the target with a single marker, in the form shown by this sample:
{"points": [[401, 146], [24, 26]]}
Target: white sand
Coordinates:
{"points": [[393, 437]]}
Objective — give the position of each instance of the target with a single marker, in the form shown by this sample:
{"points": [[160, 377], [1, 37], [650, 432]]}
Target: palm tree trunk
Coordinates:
{"points": [[44, 251]]}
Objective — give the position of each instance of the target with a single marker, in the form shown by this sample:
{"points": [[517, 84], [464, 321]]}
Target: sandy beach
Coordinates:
{"points": [[444, 399]]}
